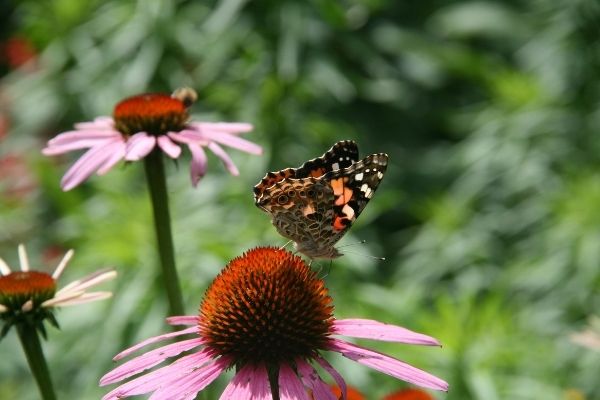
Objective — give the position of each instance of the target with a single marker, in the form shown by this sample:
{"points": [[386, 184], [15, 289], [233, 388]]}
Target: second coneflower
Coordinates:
{"points": [[270, 317], [27, 300]]}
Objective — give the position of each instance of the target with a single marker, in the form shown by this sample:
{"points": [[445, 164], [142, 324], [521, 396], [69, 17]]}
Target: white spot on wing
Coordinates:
{"points": [[335, 166], [359, 177], [348, 212]]}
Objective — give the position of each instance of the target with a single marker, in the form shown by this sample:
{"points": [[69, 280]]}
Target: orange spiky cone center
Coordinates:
{"points": [[266, 306], [19, 287], [153, 113]]}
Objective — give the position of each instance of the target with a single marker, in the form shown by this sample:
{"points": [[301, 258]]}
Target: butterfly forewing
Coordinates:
{"points": [[341, 155]]}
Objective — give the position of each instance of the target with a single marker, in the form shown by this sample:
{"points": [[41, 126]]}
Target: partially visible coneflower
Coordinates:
{"points": [[409, 394], [27, 299], [270, 317], [351, 393]]}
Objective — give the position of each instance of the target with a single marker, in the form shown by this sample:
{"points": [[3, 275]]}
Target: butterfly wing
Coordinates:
{"points": [[341, 155], [352, 189], [301, 210]]}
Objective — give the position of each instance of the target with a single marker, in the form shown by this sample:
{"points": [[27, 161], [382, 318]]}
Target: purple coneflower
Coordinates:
{"points": [[28, 297], [270, 317], [139, 125]]}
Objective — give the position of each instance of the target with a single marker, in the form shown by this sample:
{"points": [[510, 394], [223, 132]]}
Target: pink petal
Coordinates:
{"points": [[290, 387], [312, 380], [139, 145], [87, 164], [370, 329], [227, 161], [155, 379], [97, 123], [183, 320], [117, 151], [154, 339], [341, 383], [170, 148], [149, 360], [198, 163], [227, 127], [251, 382], [232, 141], [91, 134], [187, 387], [188, 137], [388, 365], [55, 149]]}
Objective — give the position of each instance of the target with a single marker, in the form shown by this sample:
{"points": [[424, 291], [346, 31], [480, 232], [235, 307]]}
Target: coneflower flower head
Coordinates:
{"points": [[141, 124], [29, 297], [270, 316]]}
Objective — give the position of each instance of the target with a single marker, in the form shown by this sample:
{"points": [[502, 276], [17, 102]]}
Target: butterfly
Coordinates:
{"points": [[315, 205]]}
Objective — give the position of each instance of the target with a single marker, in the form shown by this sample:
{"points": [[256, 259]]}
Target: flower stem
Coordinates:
{"points": [[157, 184], [273, 374], [35, 358]]}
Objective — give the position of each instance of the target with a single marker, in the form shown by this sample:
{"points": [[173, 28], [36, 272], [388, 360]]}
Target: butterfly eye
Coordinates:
{"points": [[282, 199], [291, 193]]}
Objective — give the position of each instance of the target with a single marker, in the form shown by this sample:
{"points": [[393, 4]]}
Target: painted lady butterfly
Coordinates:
{"points": [[314, 205]]}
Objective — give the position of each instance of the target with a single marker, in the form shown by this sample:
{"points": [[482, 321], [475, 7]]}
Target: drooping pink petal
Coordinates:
{"points": [[154, 339], [227, 127], [149, 360], [198, 163], [290, 387], [312, 380], [232, 141], [87, 164], [151, 381], [227, 161], [370, 329], [170, 148], [139, 145], [339, 380], [186, 387], [183, 320], [251, 382], [118, 153], [188, 136], [388, 365]]}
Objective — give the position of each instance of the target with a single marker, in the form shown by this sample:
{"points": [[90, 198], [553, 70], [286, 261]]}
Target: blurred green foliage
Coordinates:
{"points": [[489, 216]]}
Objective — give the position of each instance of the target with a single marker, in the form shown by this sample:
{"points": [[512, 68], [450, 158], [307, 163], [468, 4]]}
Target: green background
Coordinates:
{"points": [[488, 217]]}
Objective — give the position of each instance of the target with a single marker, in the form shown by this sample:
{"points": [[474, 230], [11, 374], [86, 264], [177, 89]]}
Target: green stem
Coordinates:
{"points": [[157, 184], [35, 358]]}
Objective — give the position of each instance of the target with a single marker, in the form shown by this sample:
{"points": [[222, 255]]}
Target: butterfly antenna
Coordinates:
{"points": [[365, 255], [360, 254], [352, 244]]}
